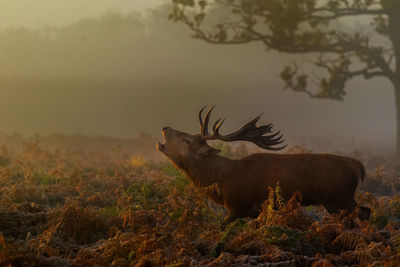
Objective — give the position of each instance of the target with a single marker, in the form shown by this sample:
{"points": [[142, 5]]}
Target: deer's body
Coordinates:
{"points": [[322, 179], [242, 185]]}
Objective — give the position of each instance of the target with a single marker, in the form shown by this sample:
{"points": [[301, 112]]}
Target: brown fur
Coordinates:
{"points": [[322, 179]]}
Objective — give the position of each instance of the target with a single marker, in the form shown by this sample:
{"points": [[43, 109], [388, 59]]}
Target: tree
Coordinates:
{"points": [[317, 29]]}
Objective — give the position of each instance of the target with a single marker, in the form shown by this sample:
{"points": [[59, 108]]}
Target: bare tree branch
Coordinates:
{"points": [[303, 27]]}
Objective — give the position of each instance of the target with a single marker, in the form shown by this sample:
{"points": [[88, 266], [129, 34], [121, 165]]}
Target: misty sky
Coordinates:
{"points": [[122, 74], [38, 13]]}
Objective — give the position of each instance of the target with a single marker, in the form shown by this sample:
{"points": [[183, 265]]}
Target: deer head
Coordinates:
{"points": [[179, 146]]}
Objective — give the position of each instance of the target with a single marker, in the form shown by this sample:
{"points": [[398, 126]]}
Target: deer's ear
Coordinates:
{"points": [[209, 150]]}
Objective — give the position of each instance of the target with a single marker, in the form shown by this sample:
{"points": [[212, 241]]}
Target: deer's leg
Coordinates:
{"points": [[365, 213], [336, 205], [332, 208], [232, 216]]}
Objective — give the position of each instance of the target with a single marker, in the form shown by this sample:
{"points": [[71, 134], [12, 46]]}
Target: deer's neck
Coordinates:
{"points": [[208, 170]]}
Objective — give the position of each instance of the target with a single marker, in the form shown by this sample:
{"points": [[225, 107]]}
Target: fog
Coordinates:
{"points": [[78, 68], [39, 13]]}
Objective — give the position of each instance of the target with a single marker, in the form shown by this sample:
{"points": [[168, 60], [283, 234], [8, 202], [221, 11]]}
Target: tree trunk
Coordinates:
{"points": [[397, 106], [392, 7], [396, 85]]}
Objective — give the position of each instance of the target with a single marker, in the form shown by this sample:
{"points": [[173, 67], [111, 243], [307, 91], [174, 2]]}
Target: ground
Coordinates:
{"points": [[63, 206]]}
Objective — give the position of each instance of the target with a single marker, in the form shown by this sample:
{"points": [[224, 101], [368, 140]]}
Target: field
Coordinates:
{"points": [[83, 201]]}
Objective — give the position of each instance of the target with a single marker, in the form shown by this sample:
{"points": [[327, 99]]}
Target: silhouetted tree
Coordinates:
{"points": [[318, 28]]}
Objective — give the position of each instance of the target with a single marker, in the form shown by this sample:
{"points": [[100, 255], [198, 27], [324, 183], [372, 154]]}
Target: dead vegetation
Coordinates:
{"points": [[67, 208]]}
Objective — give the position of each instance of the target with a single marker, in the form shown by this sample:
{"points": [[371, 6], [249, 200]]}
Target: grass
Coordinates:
{"points": [[96, 209]]}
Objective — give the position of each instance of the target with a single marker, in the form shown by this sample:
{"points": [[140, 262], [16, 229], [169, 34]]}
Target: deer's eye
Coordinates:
{"points": [[187, 140]]}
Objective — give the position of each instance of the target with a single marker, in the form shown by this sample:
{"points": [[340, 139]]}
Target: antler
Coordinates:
{"points": [[249, 132]]}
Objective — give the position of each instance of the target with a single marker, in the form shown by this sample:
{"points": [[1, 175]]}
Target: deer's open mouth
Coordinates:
{"points": [[160, 147]]}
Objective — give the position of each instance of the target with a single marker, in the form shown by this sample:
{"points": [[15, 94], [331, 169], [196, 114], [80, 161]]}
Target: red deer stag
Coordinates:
{"points": [[322, 179]]}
